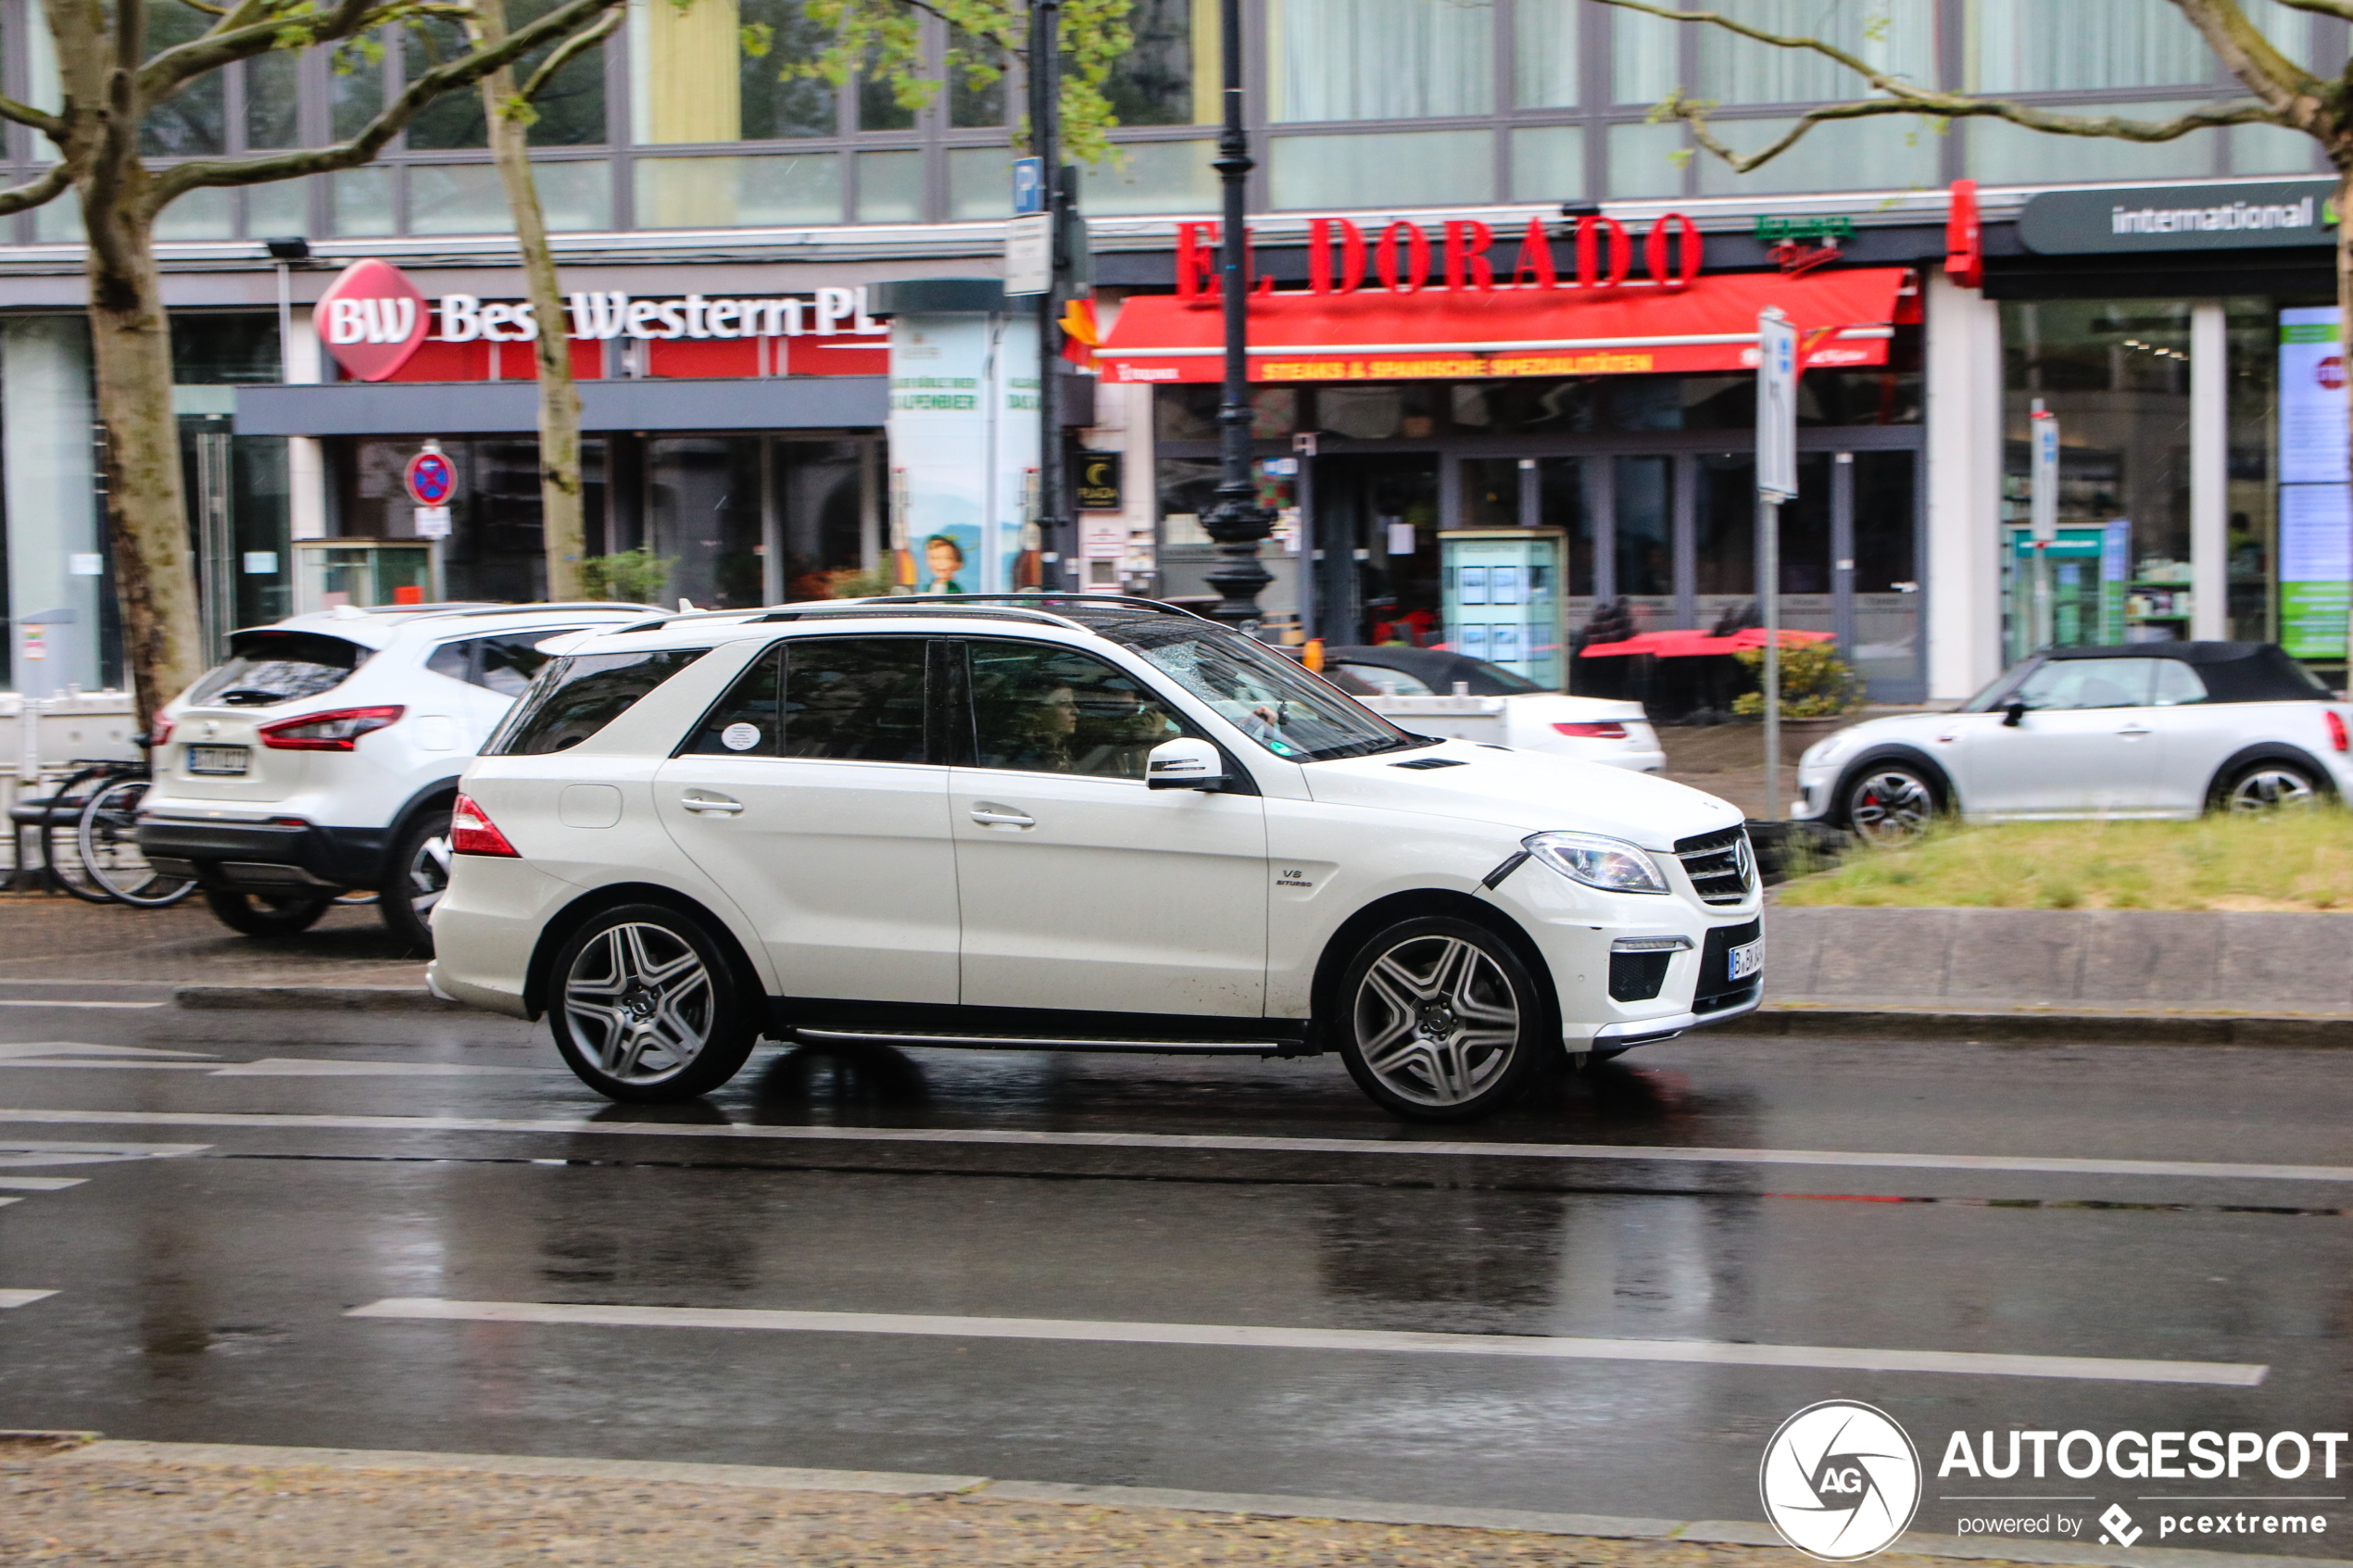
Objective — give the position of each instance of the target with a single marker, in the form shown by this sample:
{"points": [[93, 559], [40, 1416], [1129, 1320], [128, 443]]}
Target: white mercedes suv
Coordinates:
{"points": [[1062, 823], [323, 755]]}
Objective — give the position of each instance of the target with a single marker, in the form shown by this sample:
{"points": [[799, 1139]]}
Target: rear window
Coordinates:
{"points": [[575, 697], [504, 665], [272, 666]]}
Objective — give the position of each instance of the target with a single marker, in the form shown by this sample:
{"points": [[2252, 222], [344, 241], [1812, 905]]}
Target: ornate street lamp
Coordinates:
{"points": [[1237, 521]]}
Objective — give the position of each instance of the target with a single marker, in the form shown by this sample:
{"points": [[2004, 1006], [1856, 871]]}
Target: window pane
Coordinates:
{"points": [[855, 699], [1169, 75], [571, 108], [1158, 177], [468, 199], [778, 101], [1643, 56], [195, 119], [362, 201], [2012, 153], [272, 91], [703, 512], [1051, 711], [748, 719], [454, 119], [890, 187], [280, 208], [1380, 60], [1544, 62], [2053, 45], [879, 108], [1892, 153], [1548, 163], [2272, 149], [718, 193], [1642, 160], [355, 95], [975, 104], [1403, 169], [1896, 36], [200, 215], [980, 183], [1562, 504]]}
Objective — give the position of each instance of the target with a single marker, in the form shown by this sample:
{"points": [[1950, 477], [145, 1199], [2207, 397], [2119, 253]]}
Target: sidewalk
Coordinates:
{"points": [[160, 1505], [49, 939]]}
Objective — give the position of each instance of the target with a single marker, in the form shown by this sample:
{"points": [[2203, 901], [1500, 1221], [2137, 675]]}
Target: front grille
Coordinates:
{"points": [[1637, 977], [1720, 865]]}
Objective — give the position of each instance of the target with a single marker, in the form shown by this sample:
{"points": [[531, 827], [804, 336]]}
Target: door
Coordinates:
{"points": [[1081, 888], [810, 795], [1377, 536], [2089, 741]]}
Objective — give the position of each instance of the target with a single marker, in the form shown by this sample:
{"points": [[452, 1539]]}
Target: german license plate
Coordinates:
{"points": [[217, 759], [1747, 961]]}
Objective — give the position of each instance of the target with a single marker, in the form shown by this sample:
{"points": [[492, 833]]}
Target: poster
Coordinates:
{"points": [[2316, 519], [964, 440]]}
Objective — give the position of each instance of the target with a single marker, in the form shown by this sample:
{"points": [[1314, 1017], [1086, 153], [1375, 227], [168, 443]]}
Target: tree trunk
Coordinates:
{"points": [[562, 520], [146, 508]]}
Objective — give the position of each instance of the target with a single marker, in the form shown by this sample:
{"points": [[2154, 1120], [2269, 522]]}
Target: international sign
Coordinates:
{"points": [[2222, 215]]}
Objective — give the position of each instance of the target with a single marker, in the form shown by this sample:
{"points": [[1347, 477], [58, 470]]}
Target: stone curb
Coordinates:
{"points": [[72, 1446], [1794, 1020]]}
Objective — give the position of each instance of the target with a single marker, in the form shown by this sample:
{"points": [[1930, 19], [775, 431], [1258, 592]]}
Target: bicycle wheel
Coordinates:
{"points": [[60, 845], [107, 839]]}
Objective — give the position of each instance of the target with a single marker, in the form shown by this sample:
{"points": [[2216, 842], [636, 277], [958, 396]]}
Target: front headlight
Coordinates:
{"points": [[1611, 864]]}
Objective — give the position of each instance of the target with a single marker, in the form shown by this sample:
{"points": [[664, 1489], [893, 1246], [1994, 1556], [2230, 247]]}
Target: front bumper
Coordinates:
{"points": [[263, 856]]}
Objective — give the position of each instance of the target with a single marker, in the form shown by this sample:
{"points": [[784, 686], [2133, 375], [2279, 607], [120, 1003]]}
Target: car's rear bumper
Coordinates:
{"points": [[265, 857]]}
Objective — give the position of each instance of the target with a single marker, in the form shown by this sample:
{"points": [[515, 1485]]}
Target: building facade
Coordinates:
{"points": [[680, 167]]}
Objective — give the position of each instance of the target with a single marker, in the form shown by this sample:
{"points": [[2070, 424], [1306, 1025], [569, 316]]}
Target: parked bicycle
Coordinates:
{"points": [[89, 842]]}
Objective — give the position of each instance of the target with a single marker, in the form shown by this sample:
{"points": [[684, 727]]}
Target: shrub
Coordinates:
{"points": [[634, 576], [1816, 683]]}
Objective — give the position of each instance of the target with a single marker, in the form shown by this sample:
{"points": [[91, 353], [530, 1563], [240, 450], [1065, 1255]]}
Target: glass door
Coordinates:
{"points": [[1642, 513]]}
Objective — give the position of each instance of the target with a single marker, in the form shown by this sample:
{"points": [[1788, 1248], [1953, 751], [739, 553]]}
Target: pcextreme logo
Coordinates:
{"points": [[1841, 1481]]}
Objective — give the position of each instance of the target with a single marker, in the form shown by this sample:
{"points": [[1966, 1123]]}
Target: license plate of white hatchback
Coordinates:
{"points": [[217, 759]]}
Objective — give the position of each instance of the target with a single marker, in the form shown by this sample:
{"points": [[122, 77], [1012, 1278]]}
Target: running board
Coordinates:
{"points": [[1039, 1043]]}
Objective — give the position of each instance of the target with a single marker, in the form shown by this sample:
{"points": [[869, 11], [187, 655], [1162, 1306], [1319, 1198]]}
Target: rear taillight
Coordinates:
{"points": [[327, 731], [1608, 731], [473, 833], [159, 733], [2337, 737]]}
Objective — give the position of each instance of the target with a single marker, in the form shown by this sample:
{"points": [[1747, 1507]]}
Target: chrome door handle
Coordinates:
{"points": [[717, 804], [2136, 730], [992, 815]]}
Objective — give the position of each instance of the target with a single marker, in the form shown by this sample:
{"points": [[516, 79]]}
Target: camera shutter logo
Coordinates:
{"points": [[1841, 1481]]}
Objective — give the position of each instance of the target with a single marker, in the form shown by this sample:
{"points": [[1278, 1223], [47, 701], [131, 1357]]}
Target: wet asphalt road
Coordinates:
{"points": [[203, 1265]]}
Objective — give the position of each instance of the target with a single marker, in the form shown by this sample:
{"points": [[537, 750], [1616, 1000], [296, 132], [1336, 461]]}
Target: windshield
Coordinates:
{"points": [[1277, 703], [266, 668], [1986, 700]]}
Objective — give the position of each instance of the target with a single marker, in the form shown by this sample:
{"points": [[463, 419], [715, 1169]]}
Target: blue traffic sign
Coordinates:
{"points": [[1029, 186]]}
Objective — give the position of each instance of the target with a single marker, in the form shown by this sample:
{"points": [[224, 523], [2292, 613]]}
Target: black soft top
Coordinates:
{"points": [[2232, 672]]}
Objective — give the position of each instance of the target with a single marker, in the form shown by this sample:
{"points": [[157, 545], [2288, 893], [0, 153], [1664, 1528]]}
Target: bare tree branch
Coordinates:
{"points": [[463, 71], [2337, 8], [573, 47], [238, 38], [2279, 82], [50, 185], [25, 113]]}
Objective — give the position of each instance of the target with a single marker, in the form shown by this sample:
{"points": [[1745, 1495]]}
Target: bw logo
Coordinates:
{"points": [[1841, 1481]]}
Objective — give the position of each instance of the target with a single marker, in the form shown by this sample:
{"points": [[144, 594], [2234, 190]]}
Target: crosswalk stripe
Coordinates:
{"points": [[2229, 1374], [1234, 1143]]}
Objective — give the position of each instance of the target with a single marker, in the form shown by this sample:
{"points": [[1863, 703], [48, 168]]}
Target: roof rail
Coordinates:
{"points": [[1034, 597], [557, 605], [923, 608]]}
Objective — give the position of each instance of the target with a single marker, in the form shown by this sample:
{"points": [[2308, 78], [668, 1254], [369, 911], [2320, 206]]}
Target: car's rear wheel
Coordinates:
{"points": [[1438, 1020], [2271, 785], [1890, 804], [265, 914], [417, 875], [648, 1008]]}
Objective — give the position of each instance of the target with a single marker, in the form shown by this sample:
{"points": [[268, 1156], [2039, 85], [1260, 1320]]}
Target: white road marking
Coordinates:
{"points": [[141, 1055], [40, 1184], [311, 1067], [6, 1201], [37, 1002], [22, 1297], [2229, 1374], [21, 1152], [1213, 1143]]}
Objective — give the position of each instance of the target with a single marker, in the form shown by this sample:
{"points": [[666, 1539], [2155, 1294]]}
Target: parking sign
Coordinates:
{"points": [[1776, 405]]}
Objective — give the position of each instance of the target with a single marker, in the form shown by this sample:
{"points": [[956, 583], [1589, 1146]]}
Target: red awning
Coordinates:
{"points": [[1843, 319], [1691, 644]]}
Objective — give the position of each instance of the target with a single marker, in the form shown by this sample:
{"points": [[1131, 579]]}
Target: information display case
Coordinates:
{"points": [[1501, 598], [366, 572]]}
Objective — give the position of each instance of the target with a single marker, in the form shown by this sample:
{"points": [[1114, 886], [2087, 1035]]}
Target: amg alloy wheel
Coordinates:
{"points": [[648, 1006], [1439, 1020], [1891, 805]]}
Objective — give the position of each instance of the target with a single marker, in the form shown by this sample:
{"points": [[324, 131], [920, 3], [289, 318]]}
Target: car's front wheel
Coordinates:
{"points": [[416, 876], [648, 1008], [1890, 804], [1438, 1020]]}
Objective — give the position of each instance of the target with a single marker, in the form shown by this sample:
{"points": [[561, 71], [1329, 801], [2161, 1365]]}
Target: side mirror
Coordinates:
{"points": [[2013, 714], [1183, 763]]}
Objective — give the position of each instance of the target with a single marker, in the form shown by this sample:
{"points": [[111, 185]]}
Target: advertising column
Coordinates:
{"points": [[2316, 520], [963, 451]]}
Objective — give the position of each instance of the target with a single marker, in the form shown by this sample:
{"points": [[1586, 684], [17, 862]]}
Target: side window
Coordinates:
{"points": [[2177, 684], [2089, 682], [1385, 681], [509, 663], [453, 659], [1048, 709], [577, 696], [745, 721], [854, 699]]}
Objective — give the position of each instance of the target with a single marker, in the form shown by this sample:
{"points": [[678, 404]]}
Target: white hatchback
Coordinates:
{"points": [[1435, 692], [1057, 824], [322, 757]]}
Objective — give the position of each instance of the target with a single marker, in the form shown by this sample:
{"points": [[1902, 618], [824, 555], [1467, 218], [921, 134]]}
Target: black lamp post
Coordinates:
{"points": [[1237, 521], [1045, 120]]}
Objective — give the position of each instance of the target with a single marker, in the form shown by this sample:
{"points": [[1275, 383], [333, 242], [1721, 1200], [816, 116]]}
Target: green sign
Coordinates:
{"points": [[1775, 230]]}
